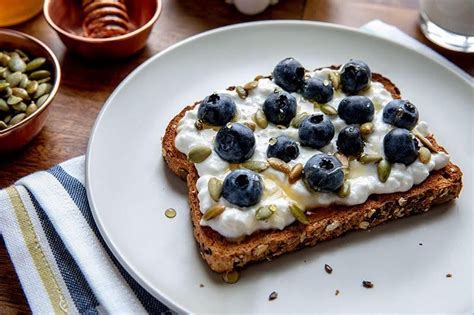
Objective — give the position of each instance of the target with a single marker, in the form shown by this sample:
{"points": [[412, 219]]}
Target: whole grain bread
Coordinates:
{"points": [[326, 223]]}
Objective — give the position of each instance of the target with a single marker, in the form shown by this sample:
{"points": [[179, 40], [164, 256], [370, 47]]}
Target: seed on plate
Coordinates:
{"points": [[250, 124], [251, 85], [17, 118], [16, 64], [343, 159], [35, 64], [423, 140], [298, 119], [12, 100], [241, 92], [273, 296], [40, 74], [296, 173], [328, 268], [214, 186], [345, 190], [3, 106], [383, 170], [370, 158], [261, 119], [42, 100], [31, 109], [424, 155], [298, 214], [258, 77], [265, 212], [231, 276], [31, 87], [20, 107], [256, 166], [366, 128], [213, 212], [170, 213], [367, 284], [328, 110], [14, 78], [199, 153], [335, 79], [279, 165]]}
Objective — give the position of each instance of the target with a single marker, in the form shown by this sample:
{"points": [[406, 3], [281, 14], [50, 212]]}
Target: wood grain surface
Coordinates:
{"points": [[86, 85]]}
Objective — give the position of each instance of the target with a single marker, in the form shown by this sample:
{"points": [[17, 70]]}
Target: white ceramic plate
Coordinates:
{"points": [[129, 185]]}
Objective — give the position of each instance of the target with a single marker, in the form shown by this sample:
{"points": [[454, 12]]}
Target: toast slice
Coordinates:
{"points": [[326, 223]]}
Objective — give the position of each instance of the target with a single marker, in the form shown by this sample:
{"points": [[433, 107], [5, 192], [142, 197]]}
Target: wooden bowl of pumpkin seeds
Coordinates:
{"points": [[29, 80]]}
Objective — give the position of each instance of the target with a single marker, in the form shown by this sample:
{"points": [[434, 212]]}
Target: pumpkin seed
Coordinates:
{"points": [[12, 100], [298, 119], [250, 124], [7, 92], [370, 158], [215, 188], [35, 64], [3, 86], [17, 118], [383, 170], [298, 214], [2, 70], [259, 77], [43, 88], [32, 86], [343, 159], [328, 110], [42, 100], [424, 155], [241, 92], [279, 165], [265, 212], [261, 119], [344, 190], [231, 277], [170, 213], [31, 109], [19, 92], [14, 78], [425, 141], [16, 64], [5, 60], [251, 85], [335, 79], [44, 80], [213, 212], [20, 107], [295, 173], [198, 124], [366, 128], [3, 125], [24, 81], [22, 55], [198, 154], [7, 119], [40, 74], [3, 106], [256, 166]]}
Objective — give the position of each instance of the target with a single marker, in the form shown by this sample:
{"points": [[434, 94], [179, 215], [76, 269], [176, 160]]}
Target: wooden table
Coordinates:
{"points": [[86, 85]]}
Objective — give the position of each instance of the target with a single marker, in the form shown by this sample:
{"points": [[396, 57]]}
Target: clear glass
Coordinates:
{"points": [[449, 23], [16, 11]]}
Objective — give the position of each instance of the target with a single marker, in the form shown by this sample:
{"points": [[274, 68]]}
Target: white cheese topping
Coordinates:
{"points": [[235, 221]]}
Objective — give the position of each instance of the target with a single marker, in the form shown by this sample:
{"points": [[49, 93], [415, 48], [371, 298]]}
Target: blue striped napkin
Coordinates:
{"points": [[62, 261]]}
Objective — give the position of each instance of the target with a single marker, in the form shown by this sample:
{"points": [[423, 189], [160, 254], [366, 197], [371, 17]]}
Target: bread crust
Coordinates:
{"points": [[325, 224]]}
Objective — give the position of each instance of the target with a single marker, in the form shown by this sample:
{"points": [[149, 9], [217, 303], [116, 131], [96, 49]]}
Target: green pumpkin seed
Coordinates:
{"points": [[383, 170], [261, 119], [343, 159], [251, 85], [344, 190], [3, 106], [265, 212], [425, 141], [279, 165], [3, 86], [370, 158], [44, 80], [259, 77], [40, 74], [16, 64], [213, 212], [335, 79], [5, 60], [17, 118], [40, 102], [13, 54], [20, 107], [231, 277], [328, 110], [6, 73], [31, 109], [7, 92], [24, 81], [43, 88], [424, 155], [250, 124], [298, 214], [7, 119], [256, 166], [31, 87], [366, 128], [12, 100], [35, 64], [241, 92], [170, 213], [214, 186], [19, 92], [14, 78], [295, 173], [3, 125], [22, 55], [298, 119], [2, 70], [199, 153]]}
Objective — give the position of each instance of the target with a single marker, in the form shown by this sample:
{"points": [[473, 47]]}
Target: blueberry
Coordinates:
{"points": [[283, 148], [234, 143], [242, 188], [323, 173], [217, 109], [280, 108], [356, 110], [401, 114], [289, 74], [355, 76], [349, 141], [315, 89], [400, 146], [316, 131]]}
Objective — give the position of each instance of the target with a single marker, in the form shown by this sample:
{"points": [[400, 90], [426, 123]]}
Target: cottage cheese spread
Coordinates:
{"points": [[235, 222]]}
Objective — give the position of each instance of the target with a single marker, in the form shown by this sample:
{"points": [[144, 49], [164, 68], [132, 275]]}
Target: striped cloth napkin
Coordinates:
{"points": [[61, 260]]}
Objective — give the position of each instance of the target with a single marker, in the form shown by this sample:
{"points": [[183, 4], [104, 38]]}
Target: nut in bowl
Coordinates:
{"points": [[29, 80], [103, 29]]}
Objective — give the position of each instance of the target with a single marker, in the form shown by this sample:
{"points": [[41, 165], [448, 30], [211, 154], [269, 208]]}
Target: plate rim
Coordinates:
{"points": [[158, 294]]}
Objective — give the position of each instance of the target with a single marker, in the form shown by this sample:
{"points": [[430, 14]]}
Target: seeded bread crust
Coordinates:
{"points": [[326, 223]]}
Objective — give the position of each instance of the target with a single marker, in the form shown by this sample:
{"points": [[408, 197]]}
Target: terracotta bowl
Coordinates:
{"points": [[16, 136], [66, 17]]}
